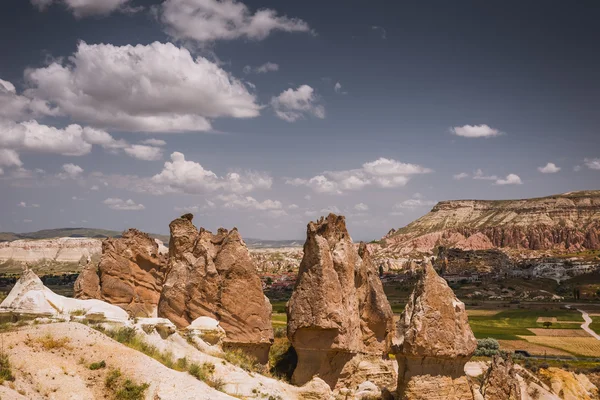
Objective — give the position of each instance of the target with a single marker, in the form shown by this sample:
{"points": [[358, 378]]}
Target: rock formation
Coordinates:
{"points": [[214, 276], [433, 343], [500, 381], [130, 274], [66, 250], [29, 296], [338, 309], [569, 222]]}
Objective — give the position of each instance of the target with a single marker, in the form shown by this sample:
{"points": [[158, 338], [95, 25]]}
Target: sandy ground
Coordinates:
{"points": [[63, 373]]}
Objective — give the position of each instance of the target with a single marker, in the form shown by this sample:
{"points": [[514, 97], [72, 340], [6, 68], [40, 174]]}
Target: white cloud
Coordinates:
{"points": [[86, 8], [460, 176], [1, 171], [187, 209], [511, 179], [247, 202], [475, 131], [414, 203], [338, 88], [9, 158], [123, 205], [152, 88], [211, 20], [480, 176], [12, 105], [262, 69], [142, 152], [71, 171], [549, 168], [577, 168], [383, 173], [25, 205], [331, 209], [592, 163], [396, 213], [293, 207], [95, 188], [292, 105], [361, 207], [154, 142], [180, 175], [34, 137], [27, 221]]}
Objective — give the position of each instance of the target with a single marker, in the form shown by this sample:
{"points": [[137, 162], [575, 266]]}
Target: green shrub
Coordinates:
{"points": [[124, 389], [243, 360], [5, 369], [487, 347], [97, 365]]}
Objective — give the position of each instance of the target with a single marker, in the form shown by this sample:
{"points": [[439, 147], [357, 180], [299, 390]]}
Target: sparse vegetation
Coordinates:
{"points": [[5, 369], [130, 338], [205, 372], [243, 360], [282, 359], [49, 342], [122, 388], [77, 313], [97, 365]]}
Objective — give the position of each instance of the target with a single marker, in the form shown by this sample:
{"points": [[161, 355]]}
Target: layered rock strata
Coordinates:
{"points": [[433, 343], [338, 309], [214, 276]]}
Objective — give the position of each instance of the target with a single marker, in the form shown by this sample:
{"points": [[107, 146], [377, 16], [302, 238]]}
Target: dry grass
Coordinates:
{"points": [[559, 332], [554, 320], [532, 348], [482, 313], [48, 342], [581, 346]]}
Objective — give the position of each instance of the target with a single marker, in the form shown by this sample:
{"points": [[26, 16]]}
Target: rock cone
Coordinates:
{"points": [[130, 274], [434, 342], [500, 381], [338, 308], [214, 276]]}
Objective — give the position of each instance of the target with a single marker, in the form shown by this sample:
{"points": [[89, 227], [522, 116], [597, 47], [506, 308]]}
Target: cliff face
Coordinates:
{"points": [[59, 250], [569, 221]]}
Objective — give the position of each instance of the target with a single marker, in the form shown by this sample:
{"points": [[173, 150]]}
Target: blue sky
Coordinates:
{"points": [[265, 115]]}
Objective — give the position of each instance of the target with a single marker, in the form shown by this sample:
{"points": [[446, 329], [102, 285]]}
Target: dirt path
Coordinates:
{"points": [[586, 325]]}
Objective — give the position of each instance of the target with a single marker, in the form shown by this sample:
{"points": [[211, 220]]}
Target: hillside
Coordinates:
{"points": [[69, 232], [564, 222]]}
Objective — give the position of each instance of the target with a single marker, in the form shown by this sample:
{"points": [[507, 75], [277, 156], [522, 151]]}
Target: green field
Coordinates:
{"points": [[511, 323], [595, 325]]}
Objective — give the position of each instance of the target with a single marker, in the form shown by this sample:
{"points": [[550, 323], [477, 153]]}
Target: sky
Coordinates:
{"points": [[265, 115]]}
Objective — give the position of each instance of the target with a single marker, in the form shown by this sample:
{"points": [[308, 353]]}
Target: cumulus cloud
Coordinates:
{"points": [[152, 88], [460, 176], [181, 175], [292, 105], [25, 205], [247, 202], [123, 205], [361, 207], [154, 142], [86, 8], [71, 171], [481, 176], [331, 209], [414, 203], [383, 173], [12, 105], [475, 131], [143, 152], [9, 158], [549, 168], [262, 69], [511, 179], [211, 20], [592, 163]]}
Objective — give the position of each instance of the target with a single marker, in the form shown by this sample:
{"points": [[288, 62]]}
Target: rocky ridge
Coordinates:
{"points": [[564, 222]]}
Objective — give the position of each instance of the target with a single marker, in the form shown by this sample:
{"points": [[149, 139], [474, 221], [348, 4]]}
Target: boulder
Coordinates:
{"points": [[500, 381], [338, 309], [214, 276], [433, 342], [130, 274]]}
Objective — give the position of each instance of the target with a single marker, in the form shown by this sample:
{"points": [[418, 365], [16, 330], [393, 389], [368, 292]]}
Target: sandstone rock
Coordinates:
{"points": [[500, 381], [130, 274], [67, 250], [338, 308], [214, 276], [433, 343]]}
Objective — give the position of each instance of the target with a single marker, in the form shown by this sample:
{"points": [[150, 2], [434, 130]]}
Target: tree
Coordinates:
{"points": [[547, 324]]}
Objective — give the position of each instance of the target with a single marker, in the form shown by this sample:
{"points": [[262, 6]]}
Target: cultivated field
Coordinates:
{"points": [[579, 346]]}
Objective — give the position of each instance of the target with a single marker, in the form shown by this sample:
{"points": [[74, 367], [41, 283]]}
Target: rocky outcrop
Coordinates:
{"points": [[338, 309], [433, 343], [500, 382], [130, 274], [67, 250], [569, 222], [29, 296], [214, 276]]}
